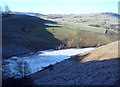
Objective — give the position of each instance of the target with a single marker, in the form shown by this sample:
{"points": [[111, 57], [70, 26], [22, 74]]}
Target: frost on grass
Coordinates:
{"points": [[17, 68], [22, 66]]}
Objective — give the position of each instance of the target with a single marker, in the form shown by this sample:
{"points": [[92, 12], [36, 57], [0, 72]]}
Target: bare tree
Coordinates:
{"points": [[0, 9], [5, 10], [22, 67], [106, 26]]}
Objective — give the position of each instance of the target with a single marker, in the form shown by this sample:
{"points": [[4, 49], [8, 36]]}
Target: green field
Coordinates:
{"points": [[75, 35]]}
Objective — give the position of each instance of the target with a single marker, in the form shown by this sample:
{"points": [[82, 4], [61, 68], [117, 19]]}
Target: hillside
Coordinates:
{"points": [[112, 14], [23, 33], [86, 19], [108, 51], [79, 29], [92, 70], [96, 22], [76, 73]]}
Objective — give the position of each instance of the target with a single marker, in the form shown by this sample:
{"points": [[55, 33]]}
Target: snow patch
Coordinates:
{"points": [[42, 59]]}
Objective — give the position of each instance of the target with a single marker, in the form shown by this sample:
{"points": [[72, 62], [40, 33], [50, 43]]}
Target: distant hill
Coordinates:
{"points": [[28, 13], [23, 33], [111, 14]]}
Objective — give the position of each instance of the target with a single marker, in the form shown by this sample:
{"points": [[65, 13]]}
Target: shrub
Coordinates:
{"points": [[94, 25], [17, 82]]}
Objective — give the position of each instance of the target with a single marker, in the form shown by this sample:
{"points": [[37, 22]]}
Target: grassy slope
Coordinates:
{"points": [[78, 36], [105, 52], [75, 33], [108, 51], [23, 33]]}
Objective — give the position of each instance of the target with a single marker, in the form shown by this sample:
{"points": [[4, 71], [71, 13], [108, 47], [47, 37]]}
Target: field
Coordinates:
{"points": [[90, 32]]}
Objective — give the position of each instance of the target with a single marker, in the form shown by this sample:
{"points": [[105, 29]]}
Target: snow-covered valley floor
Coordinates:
{"points": [[16, 65]]}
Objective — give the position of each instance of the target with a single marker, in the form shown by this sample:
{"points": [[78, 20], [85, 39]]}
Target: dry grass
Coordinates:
{"points": [[108, 51], [74, 30], [74, 36], [83, 38]]}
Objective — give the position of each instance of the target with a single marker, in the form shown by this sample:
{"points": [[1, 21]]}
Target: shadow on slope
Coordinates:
{"points": [[105, 72], [112, 14], [23, 33], [68, 72]]}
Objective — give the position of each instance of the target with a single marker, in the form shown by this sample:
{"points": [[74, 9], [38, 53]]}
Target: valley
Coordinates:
{"points": [[59, 49]]}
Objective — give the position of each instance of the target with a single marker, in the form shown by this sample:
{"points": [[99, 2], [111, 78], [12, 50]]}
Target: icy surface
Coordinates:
{"points": [[42, 59]]}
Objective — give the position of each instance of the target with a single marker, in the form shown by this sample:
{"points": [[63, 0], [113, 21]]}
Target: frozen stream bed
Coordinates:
{"points": [[17, 65]]}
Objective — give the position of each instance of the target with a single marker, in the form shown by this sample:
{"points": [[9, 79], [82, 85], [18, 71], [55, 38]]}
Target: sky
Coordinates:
{"points": [[62, 6]]}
